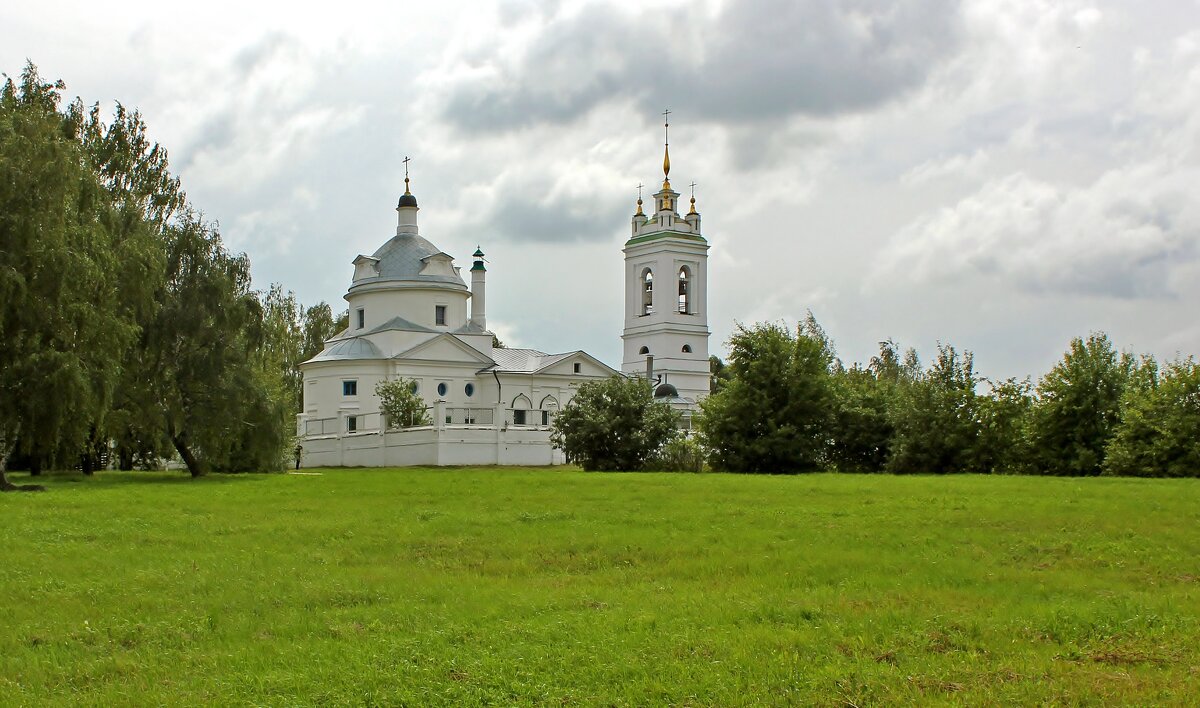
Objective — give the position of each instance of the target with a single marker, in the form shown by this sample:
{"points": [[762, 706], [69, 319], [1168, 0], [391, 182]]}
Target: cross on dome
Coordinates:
{"points": [[407, 199]]}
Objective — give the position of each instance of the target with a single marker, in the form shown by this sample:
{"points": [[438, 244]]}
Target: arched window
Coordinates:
{"points": [[521, 406], [644, 350], [647, 292], [687, 349], [685, 283], [549, 406]]}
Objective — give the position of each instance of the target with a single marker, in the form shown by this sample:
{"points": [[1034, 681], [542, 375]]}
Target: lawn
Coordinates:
{"points": [[466, 586]]}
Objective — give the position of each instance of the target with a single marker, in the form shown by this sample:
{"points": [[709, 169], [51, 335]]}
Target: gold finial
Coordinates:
{"points": [[667, 149], [693, 211], [639, 211], [406, 160]]}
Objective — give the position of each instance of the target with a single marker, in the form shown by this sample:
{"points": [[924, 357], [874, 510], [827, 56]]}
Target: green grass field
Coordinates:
{"points": [[466, 586]]}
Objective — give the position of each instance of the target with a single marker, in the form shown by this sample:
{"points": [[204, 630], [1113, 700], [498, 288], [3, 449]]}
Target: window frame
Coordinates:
{"points": [[349, 388], [439, 315]]}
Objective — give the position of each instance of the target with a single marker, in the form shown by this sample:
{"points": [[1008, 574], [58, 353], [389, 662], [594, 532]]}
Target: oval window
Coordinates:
{"points": [[414, 387], [470, 389], [441, 389]]}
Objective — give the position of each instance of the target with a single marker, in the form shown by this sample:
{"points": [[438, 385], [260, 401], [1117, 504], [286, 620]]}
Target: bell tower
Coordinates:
{"points": [[666, 291]]}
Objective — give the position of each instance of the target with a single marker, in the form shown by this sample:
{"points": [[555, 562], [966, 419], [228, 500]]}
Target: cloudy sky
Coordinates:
{"points": [[1000, 175]]}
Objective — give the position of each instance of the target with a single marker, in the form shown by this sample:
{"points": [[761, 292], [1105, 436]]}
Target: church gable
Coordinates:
{"points": [[446, 348], [575, 364]]}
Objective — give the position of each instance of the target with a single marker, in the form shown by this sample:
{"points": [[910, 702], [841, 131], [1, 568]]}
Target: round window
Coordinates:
{"points": [[470, 389], [441, 389]]}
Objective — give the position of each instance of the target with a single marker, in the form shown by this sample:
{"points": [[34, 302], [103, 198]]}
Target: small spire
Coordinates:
{"points": [[693, 186], [406, 159], [639, 211], [667, 149]]}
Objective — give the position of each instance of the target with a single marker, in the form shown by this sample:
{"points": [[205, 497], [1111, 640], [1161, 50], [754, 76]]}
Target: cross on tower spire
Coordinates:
{"points": [[666, 149], [406, 161]]}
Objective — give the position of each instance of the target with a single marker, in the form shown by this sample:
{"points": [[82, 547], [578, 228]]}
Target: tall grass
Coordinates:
{"points": [[458, 586]]}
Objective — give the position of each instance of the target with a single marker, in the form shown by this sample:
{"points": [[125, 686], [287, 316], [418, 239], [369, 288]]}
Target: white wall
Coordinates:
{"points": [[381, 302], [433, 447]]}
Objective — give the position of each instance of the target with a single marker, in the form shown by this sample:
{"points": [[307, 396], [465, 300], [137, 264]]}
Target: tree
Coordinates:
{"points": [[1004, 420], [774, 413], [62, 326], [400, 404], [284, 340], [1079, 407], [860, 427], [719, 374], [613, 424], [205, 390], [1159, 432], [318, 326], [935, 418]]}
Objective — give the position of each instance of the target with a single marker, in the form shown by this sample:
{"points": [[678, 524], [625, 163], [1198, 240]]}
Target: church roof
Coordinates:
{"points": [[401, 324], [353, 348], [525, 361], [403, 257], [470, 328]]}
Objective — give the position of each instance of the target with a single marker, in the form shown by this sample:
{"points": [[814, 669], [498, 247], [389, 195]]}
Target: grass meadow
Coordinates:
{"points": [[552, 586]]}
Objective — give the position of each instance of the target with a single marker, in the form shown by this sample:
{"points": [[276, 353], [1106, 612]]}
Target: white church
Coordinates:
{"points": [[412, 315]]}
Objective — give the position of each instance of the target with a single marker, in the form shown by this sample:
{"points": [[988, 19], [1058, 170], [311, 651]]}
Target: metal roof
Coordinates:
{"points": [[403, 257], [401, 324], [525, 361], [353, 348]]}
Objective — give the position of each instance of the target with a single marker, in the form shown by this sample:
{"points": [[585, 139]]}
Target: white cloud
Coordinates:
{"points": [[1121, 236], [959, 166]]}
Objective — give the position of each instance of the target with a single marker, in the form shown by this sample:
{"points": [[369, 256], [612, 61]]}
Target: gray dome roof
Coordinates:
{"points": [[406, 200], [353, 348], [402, 258], [666, 391]]}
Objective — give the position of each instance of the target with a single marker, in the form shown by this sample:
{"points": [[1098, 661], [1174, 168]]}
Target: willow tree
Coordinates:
{"points": [[62, 326]]}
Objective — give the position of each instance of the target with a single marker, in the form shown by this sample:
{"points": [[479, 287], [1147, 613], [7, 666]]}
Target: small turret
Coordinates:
{"points": [[478, 290], [639, 217], [693, 216]]}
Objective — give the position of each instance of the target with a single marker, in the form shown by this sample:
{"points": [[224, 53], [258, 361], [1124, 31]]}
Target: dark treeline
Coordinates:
{"points": [[784, 402], [126, 325]]}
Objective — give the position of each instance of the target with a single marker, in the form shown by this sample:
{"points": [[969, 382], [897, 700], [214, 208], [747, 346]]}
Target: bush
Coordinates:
{"points": [[400, 404], [680, 454], [614, 424]]}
